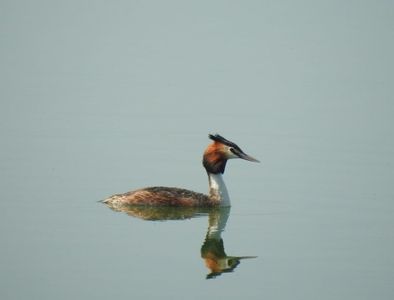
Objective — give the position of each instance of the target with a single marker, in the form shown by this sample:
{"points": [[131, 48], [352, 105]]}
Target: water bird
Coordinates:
{"points": [[214, 161]]}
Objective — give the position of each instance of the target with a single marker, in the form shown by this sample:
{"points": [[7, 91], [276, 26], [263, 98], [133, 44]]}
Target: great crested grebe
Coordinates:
{"points": [[214, 161]]}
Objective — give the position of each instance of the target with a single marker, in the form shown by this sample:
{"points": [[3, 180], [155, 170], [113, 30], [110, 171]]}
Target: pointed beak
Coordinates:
{"points": [[247, 157]]}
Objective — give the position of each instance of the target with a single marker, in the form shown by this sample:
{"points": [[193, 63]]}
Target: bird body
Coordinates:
{"points": [[214, 161]]}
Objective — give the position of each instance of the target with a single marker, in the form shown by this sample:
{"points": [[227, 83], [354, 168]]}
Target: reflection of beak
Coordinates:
{"points": [[246, 157]]}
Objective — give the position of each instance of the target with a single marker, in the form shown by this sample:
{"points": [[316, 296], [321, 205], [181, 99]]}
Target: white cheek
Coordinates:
{"points": [[231, 155]]}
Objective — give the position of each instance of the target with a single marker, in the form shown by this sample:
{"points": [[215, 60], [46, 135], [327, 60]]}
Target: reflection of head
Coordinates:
{"points": [[216, 260]]}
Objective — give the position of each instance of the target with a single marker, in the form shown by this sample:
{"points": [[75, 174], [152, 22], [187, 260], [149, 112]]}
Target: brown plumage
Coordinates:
{"points": [[161, 196]]}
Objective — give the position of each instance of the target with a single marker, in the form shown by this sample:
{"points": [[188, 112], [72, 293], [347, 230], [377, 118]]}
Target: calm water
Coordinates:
{"points": [[101, 99]]}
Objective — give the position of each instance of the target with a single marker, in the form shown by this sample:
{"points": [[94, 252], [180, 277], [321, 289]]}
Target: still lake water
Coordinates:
{"points": [[317, 218], [124, 97]]}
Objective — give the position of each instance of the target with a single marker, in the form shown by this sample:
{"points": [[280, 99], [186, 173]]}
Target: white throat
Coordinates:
{"points": [[217, 189]]}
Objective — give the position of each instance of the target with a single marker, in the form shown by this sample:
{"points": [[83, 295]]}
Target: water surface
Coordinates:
{"points": [[98, 99]]}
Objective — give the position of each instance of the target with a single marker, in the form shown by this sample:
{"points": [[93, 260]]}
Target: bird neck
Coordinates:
{"points": [[218, 193]]}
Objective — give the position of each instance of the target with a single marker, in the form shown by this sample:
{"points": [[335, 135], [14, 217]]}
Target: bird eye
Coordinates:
{"points": [[231, 149]]}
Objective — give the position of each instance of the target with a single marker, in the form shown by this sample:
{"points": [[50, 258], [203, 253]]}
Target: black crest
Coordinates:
{"points": [[220, 139]]}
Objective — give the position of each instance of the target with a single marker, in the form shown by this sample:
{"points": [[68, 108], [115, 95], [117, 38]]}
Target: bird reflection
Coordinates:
{"points": [[212, 249], [160, 213]]}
